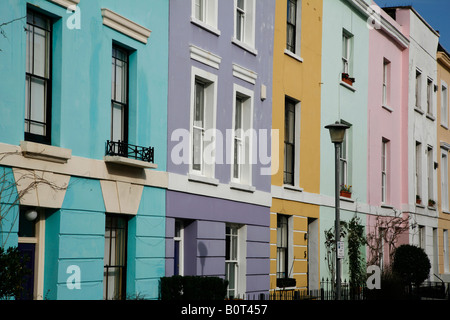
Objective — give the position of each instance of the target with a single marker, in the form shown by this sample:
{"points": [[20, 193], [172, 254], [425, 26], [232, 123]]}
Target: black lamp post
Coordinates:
{"points": [[337, 134]]}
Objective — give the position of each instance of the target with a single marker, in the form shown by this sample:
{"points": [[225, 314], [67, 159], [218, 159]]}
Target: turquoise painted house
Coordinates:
{"points": [[83, 142], [344, 93]]}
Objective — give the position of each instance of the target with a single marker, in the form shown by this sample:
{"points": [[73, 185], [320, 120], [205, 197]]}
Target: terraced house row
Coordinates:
{"points": [[169, 137]]}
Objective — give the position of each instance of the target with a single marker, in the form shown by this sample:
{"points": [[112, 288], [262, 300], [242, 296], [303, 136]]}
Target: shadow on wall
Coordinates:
{"points": [[203, 251]]}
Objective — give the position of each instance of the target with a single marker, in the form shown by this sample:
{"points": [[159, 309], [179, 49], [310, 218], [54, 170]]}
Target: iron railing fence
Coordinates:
{"points": [[432, 290], [427, 290], [120, 148]]}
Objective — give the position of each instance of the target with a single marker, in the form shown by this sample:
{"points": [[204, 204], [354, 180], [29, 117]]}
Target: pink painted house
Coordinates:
{"points": [[387, 174]]}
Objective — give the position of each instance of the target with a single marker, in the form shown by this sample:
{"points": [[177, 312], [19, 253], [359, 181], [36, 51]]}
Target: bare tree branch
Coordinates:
{"points": [[10, 196]]}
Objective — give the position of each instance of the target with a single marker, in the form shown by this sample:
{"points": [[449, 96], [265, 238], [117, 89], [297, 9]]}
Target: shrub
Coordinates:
{"points": [[193, 288], [411, 264], [12, 273], [391, 287]]}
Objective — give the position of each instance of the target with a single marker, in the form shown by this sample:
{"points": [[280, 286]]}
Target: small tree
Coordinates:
{"points": [[356, 241], [330, 246], [387, 231], [411, 264], [12, 273]]}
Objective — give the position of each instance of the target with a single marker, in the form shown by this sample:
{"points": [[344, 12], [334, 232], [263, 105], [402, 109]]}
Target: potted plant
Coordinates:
{"points": [[418, 199], [347, 79], [431, 203], [286, 282], [346, 191]]}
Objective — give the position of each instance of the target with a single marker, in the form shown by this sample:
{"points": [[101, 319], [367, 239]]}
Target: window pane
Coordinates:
{"points": [[39, 21], [117, 122], [240, 13], [27, 97], [119, 84], [290, 38], [418, 89], [239, 25], [230, 275], [199, 9], [345, 46], [281, 231], [119, 94], [38, 99], [289, 156], [240, 4], [234, 247], [290, 122], [40, 51], [237, 158], [197, 149], [238, 115], [115, 258], [29, 62], [292, 11], [199, 105], [281, 263]]}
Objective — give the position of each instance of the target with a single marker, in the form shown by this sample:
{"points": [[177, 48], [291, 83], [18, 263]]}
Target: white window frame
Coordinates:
{"points": [[209, 16], [386, 82], [289, 251], [347, 55], [418, 90], [430, 96], [418, 157], [238, 260], [207, 165], [298, 22], [430, 173], [244, 136], [384, 171], [180, 239], [422, 237], [446, 251], [344, 161], [247, 37], [39, 240], [444, 104], [444, 180], [297, 137]]}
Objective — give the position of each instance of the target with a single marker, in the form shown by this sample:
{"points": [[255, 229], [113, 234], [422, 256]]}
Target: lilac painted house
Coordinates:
{"points": [[219, 132]]}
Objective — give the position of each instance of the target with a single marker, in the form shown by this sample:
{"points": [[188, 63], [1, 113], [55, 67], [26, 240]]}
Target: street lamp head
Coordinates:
{"points": [[337, 131]]}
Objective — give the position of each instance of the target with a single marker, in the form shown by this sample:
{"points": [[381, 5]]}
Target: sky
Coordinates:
{"points": [[435, 12]]}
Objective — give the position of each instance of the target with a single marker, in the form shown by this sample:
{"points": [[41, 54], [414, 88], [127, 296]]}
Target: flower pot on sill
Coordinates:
{"points": [[418, 201], [346, 194], [347, 79]]}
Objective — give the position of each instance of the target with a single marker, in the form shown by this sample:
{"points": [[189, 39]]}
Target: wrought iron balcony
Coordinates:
{"points": [[127, 150]]}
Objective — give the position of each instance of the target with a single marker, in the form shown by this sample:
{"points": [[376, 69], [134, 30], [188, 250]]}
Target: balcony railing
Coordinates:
{"points": [[127, 150]]}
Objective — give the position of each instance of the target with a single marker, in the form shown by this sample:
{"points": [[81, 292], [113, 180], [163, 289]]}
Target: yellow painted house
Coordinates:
{"points": [[443, 136], [296, 117]]}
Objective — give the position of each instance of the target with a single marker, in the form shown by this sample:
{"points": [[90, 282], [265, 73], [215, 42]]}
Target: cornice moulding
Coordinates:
{"points": [[443, 59], [205, 57], [121, 24], [244, 74], [66, 3], [445, 145], [393, 32]]}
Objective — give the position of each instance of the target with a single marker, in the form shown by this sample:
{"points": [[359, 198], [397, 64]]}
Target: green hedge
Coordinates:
{"points": [[193, 288]]}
